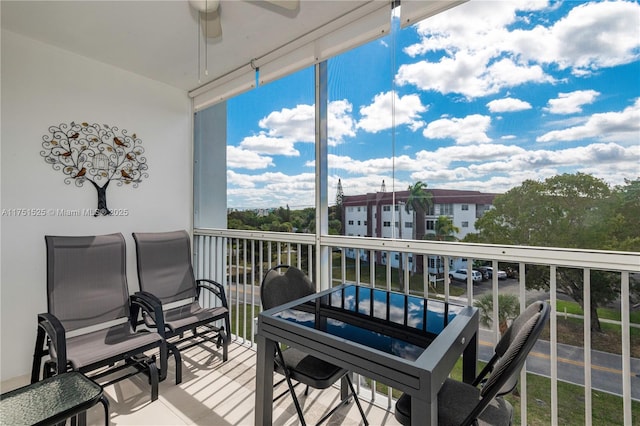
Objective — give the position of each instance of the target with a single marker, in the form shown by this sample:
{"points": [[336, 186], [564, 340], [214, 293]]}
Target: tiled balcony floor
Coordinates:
{"points": [[218, 394]]}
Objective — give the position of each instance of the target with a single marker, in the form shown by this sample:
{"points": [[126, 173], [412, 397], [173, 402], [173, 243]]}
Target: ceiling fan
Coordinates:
{"points": [[209, 11]]}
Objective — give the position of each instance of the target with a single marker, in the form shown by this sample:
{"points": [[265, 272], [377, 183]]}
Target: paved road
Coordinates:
{"points": [[606, 368]]}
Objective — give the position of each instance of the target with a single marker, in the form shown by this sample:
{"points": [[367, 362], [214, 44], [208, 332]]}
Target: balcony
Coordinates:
{"points": [[566, 383], [227, 255]]}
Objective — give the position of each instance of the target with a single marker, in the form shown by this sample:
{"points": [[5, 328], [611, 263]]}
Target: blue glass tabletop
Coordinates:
{"points": [[395, 323]]}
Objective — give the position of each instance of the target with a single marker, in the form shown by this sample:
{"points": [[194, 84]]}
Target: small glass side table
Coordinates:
{"points": [[52, 400]]}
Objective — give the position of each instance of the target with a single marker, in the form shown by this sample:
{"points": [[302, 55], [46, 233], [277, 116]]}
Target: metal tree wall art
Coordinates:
{"points": [[95, 153]]}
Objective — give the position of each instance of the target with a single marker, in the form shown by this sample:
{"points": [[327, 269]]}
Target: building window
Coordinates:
{"points": [[465, 224], [446, 209], [358, 223], [358, 208], [396, 207], [350, 222], [408, 224], [365, 223], [386, 224], [465, 207], [386, 208], [431, 225]]}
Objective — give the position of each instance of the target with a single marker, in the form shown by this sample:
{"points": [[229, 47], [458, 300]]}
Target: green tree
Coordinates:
{"points": [[567, 211], [445, 229], [508, 309], [619, 228], [418, 203]]}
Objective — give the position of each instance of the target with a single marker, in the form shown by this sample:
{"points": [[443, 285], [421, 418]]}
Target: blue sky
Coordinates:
{"points": [[480, 97]]}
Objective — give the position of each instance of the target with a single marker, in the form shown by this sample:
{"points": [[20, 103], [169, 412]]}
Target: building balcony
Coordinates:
{"points": [[588, 378]]}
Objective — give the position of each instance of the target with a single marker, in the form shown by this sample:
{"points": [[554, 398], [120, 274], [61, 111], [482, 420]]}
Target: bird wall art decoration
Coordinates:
{"points": [[99, 154]]}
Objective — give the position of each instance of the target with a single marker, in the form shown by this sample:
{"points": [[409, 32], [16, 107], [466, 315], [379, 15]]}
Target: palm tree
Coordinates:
{"points": [[508, 309], [445, 230], [419, 201]]}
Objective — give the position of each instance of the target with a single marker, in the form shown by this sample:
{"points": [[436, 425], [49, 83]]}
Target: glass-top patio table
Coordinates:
{"points": [[407, 342]]}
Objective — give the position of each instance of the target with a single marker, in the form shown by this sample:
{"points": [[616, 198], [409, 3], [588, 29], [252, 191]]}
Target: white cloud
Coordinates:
{"points": [[488, 168], [571, 103], [621, 126], [244, 159], [508, 105], [373, 165], [465, 131], [298, 124], [339, 121], [508, 166], [406, 110], [264, 144], [477, 54], [295, 123], [591, 36], [270, 190]]}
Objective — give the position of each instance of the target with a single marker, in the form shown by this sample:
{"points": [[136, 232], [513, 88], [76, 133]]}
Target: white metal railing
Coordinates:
{"points": [[239, 259]]}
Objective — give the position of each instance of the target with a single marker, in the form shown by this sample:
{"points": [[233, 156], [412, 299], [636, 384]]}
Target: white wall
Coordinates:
{"points": [[44, 86]]}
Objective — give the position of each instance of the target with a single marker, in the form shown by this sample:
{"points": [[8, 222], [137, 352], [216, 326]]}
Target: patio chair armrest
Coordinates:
{"points": [[213, 287], [143, 301], [56, 334]]}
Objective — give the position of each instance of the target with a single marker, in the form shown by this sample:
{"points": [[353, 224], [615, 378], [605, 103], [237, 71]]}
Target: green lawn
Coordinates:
{"points": [[603, 313], [607, 408]]}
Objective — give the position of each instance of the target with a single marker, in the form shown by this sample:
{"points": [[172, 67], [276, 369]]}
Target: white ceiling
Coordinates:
{"points": [[159, 39]]}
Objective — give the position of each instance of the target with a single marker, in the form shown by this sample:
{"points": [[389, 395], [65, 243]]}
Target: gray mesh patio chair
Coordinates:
{"points": [[481, 402], [277, 289], [170, 294], [86, 326]]}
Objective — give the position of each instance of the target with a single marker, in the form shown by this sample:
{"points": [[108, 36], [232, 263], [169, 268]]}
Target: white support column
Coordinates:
{"points": [[322, 205], [586, 324], [626, 347], [553, 289]]}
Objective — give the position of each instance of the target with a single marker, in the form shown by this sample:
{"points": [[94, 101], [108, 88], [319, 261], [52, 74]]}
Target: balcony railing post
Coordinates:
{"points": [[586, 324], [217, 254]]}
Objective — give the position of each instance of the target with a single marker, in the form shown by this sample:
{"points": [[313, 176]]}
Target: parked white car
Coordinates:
{"points": [[461, 275], [502, 275]]}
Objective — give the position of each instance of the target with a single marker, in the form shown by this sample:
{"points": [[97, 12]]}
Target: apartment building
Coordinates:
{"points": [[383, 215]]}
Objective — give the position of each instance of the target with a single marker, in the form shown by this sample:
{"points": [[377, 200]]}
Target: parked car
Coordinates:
{"points": [[484, 272], [502, 275], [461, 275]]}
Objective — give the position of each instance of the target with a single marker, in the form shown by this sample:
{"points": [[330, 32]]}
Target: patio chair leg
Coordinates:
{"points": [[82, 418], [356, 399], [153, 378], [164, 359], [37, 356], [291, 387], [346, 401], [49, 369], [225, 346], [105, 403], [173, 349]]}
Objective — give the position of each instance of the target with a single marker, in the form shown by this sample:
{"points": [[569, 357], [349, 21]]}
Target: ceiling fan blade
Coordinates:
{"points": [[210, 24], [285, 4]]}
